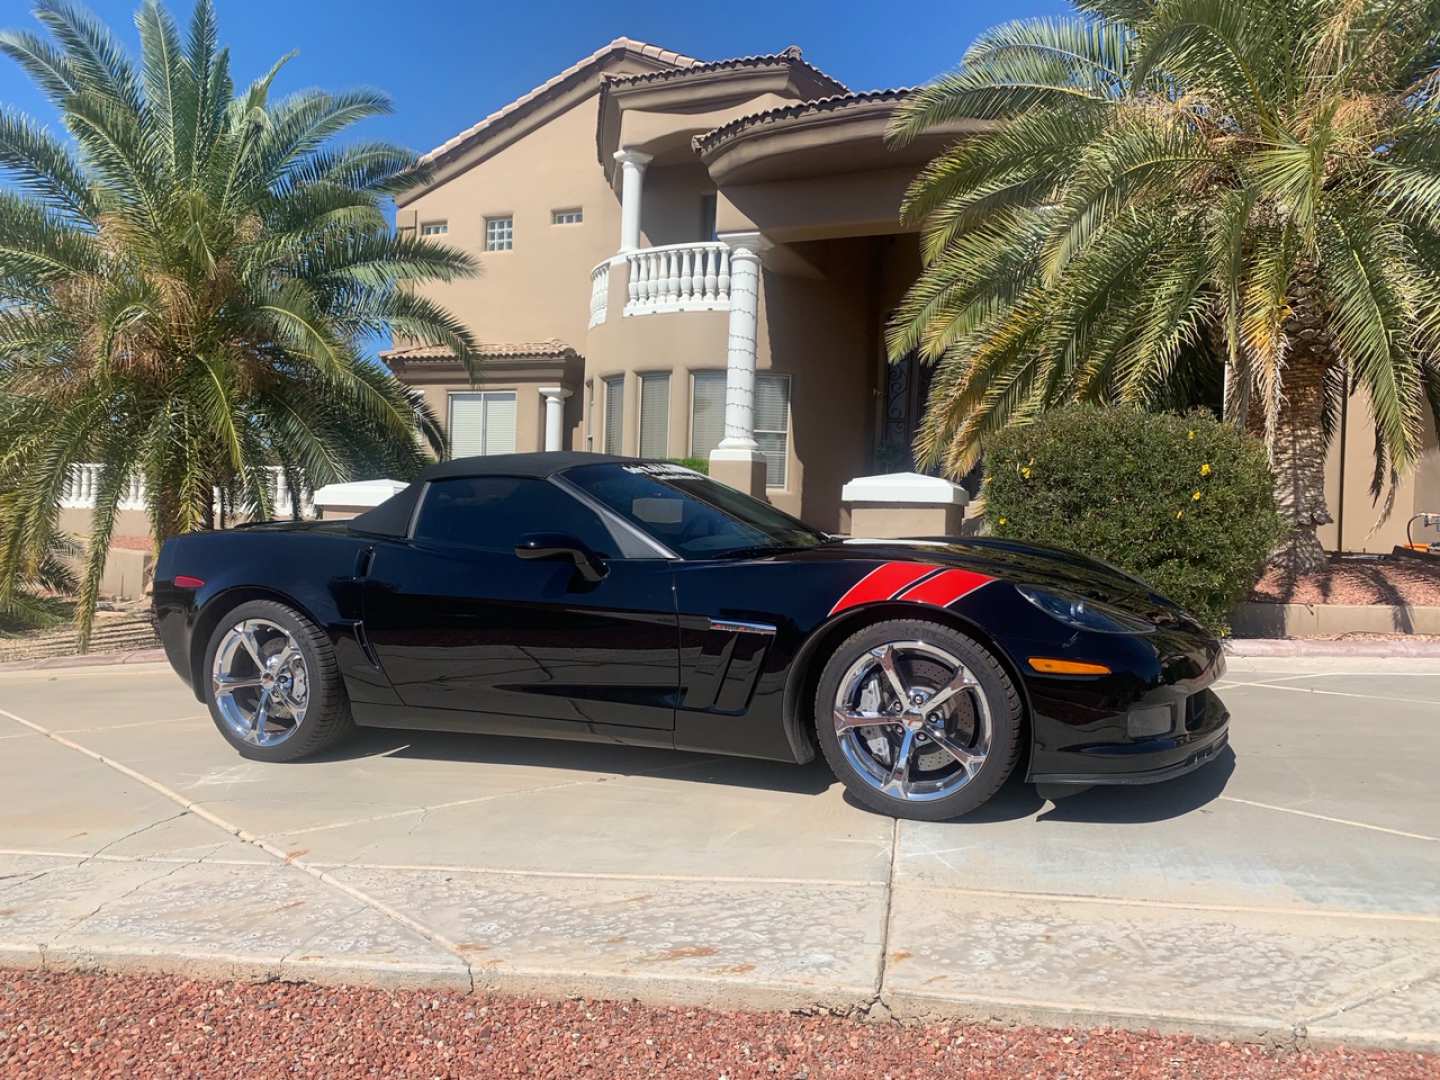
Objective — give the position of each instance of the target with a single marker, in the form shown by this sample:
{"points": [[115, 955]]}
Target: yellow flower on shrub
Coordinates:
{"points": [[1001, 521], [1025, 471], [1196, 496], [1179, 514], [1190, 435], [1205, 469]]}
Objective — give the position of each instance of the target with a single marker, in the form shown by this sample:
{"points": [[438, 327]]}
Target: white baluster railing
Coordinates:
{"points": [[678, 277], [82, 485], [600, 293]]}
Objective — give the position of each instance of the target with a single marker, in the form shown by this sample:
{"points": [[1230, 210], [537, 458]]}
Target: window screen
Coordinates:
{"points": [[493, 512], [614, 412], [482, 423], [654, 416], [707, 412]]}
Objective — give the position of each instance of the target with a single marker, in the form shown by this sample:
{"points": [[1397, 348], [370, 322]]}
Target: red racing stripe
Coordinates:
{"points": [[942, 590], [883, 583]]}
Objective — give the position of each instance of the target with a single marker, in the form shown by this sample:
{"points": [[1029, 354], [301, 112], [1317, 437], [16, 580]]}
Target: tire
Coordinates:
{"points": [[980, 723], [325, 717]]}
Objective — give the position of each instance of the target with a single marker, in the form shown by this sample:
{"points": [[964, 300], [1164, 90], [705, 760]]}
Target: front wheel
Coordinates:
{"points": [[274, 686], [917, 720]]}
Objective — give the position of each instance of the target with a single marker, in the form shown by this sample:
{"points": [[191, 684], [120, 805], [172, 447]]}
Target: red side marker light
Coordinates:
{"points": [[185, 581]]}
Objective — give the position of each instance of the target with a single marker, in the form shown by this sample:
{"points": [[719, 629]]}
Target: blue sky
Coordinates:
{"points": [[447, 63]]}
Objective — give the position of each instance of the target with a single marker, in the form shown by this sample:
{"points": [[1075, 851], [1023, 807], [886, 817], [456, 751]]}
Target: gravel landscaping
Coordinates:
{"points": [[99, 1025], [1350, 580]]}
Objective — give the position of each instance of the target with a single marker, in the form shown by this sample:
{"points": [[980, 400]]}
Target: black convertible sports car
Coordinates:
{"points": [[581, 596]]}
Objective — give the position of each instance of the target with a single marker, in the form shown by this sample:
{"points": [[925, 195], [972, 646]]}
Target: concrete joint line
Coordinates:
{"points": [[1365, 997], [430, 935], [1332, 820]]}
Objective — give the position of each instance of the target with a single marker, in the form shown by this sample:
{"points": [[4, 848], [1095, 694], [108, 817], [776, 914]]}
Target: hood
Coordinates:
{"points": [[1029, 564]]}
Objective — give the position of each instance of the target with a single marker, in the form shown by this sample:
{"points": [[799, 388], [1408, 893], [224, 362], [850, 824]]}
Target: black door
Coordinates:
{"points": [[462, 624]]}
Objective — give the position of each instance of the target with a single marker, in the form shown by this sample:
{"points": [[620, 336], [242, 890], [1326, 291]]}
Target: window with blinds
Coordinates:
{"points": [[772, 425], [654, 416], [707, 412], [772, 419], [482, 423], [614, 412]]}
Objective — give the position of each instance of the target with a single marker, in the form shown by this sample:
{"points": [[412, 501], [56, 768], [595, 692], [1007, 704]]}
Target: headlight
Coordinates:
{"points": [[1084, 614]]}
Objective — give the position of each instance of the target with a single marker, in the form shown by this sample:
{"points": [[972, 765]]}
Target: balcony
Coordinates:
{"points": [[676, 277]]}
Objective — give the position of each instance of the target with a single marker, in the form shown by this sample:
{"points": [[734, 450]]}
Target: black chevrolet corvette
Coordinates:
{"points": [[580, 596]]}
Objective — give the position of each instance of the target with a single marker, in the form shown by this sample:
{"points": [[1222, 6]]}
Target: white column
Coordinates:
{"points": [[740, 351], [632, 180], [554, 416]]}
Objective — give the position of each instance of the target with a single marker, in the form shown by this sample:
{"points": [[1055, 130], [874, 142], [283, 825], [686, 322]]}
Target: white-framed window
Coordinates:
{"points": [[500, 233], [614, 413], [572, 216], [772, 419], [655, 415], [482, 422], [434, 228]]}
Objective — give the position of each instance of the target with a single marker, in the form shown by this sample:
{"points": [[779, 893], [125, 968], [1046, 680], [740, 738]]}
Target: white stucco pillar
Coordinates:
{"points": [[632, 181], [737, 460], [554, 416]]}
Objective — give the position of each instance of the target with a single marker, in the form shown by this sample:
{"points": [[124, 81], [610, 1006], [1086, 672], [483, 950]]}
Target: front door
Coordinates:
{"points": [[461, 624]]}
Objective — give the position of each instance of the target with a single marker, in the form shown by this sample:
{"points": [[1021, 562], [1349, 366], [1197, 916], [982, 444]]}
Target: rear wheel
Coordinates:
{"points": [[274, 687], [917, 720]]}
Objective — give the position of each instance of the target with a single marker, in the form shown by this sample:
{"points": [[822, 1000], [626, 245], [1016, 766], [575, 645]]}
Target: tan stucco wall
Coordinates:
{"points": [[1365, 525], [541, 289], [438, 383]]}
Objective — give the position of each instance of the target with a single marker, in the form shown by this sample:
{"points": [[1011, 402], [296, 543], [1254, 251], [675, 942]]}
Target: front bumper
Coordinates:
{"points": [[1131, 730]]}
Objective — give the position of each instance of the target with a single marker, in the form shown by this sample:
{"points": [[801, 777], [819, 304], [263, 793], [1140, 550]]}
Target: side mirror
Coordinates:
{"points": [[562, 546]]}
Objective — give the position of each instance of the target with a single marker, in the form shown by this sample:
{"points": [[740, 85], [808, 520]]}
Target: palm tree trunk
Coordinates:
{"points": [[1298, 443]]}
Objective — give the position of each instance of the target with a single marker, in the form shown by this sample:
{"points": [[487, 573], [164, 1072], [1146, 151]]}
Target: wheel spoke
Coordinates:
{"points": [[246, 631], [227, 684], [968, 760], [262, 716], [886, 656], [963, 680], [898, 782], [849, 719], [287, 654], [294, 704]]}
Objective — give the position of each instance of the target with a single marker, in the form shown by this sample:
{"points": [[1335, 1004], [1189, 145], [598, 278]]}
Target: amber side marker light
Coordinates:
{"points": [[1049, 666], [185, 581]]}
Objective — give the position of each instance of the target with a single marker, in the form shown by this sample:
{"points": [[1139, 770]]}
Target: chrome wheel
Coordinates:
{"points": [[261, 683], [912, 721]]}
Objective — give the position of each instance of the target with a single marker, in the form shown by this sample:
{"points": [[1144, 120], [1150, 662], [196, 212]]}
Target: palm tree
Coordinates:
{"points": [[186, 285], [1166, 183]]}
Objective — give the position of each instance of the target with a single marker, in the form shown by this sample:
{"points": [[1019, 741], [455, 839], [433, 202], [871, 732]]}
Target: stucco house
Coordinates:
{"points": [[683, 258], [680, 259]]}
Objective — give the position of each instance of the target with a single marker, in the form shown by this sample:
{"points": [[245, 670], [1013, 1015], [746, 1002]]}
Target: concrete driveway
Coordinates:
{"points": [[1289, 890]]}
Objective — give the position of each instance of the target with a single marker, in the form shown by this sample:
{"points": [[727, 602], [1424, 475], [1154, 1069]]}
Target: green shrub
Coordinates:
{"points": [[699, 464], [1185, 503]]}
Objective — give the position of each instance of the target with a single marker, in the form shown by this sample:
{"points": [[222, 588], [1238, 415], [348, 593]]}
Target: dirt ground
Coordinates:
{"points": [[1353, 580]]}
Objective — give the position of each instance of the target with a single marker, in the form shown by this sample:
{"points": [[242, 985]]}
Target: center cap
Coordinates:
{"points": [[267, 680], [913, 721]]}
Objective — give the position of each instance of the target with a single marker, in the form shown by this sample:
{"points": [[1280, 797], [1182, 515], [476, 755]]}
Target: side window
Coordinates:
{"points": [[492, 513]]}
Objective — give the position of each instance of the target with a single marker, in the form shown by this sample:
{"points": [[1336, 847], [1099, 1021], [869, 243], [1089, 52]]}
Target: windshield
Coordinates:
{"points": [[692, 515]]}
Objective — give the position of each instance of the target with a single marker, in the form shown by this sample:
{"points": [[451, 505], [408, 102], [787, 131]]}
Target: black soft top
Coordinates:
{"points": [[392, 517], [532, 465]]}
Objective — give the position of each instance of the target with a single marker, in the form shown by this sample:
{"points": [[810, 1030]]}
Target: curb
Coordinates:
{"points": [[1263, 647], [51, 663], [720, 994]]}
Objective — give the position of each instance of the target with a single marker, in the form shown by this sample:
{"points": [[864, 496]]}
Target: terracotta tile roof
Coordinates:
{"points": [[620, 44], [835, 103], [789, 55], [550, 349]]}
